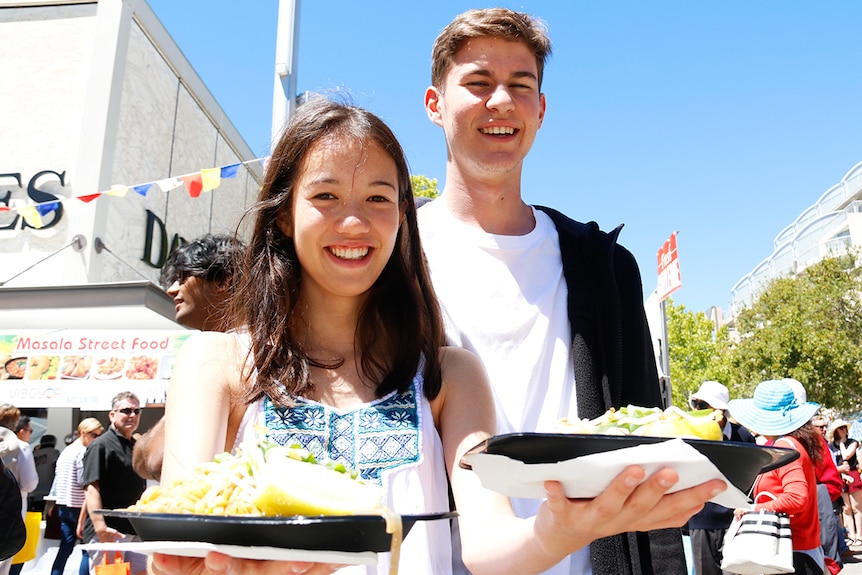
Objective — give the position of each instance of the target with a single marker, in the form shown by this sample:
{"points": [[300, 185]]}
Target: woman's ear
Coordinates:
{"points": [[402, 217], [285, 223]]}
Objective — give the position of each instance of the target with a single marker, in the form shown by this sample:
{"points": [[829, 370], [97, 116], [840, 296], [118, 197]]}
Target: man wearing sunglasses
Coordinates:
{"points": [[111, 482]]}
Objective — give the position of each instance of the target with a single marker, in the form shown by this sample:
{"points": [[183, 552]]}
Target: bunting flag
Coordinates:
{"points": [[142, 189], [229, 171], [118, 190], [210, 178], [46, 208], [193, 184], [31, 216], [169, 184], [204, 180]]}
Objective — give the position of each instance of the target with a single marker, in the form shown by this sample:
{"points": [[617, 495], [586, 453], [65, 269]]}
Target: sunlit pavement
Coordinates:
{"points": [[853, 563]]}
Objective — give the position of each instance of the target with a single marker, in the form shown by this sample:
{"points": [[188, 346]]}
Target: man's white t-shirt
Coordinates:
{"points": [[504, 298]]}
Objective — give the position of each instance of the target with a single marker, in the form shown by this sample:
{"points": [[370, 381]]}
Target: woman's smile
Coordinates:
{"points": [[349, 253]]}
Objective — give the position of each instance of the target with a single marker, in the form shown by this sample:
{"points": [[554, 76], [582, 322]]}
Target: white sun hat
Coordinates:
{"points": [[713, 393]]}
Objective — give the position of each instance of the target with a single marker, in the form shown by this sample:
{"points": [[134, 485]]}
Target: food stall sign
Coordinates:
{"points": [[669, 277], [86, 368]]}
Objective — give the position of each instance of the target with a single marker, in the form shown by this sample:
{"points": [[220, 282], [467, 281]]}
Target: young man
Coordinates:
{"points": [[553, 307], [198, 275], [109, 480]]}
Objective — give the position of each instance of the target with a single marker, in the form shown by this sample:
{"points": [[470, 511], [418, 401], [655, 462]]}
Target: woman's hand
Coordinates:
{"points": [[738, 513], [221, 564]]}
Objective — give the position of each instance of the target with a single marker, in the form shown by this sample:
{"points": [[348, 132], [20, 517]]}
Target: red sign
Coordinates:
{"points": [[669, 278]]}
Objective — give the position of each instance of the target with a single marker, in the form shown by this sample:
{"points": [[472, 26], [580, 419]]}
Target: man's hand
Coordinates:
{"points": [[629, 503], [220, 564], [149, 452]]}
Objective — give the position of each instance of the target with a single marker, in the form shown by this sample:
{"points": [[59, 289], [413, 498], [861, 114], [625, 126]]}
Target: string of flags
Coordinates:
{"points": [[195, 184]]}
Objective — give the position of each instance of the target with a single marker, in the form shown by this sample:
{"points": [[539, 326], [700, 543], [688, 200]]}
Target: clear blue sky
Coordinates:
{"points": [[722, 119]]}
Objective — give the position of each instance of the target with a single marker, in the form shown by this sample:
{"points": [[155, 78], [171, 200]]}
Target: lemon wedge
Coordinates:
{"points": [[291, 487]]}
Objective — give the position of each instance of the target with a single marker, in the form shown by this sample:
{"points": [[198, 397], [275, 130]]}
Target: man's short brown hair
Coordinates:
{"points": [[488, 23]]}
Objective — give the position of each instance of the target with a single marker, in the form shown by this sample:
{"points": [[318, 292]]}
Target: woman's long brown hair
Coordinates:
{"points": [[400, 325], [811, 440]]}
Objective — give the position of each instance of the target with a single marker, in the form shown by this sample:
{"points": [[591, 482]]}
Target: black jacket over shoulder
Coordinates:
{"points": [[12, 530], [614, 366]]}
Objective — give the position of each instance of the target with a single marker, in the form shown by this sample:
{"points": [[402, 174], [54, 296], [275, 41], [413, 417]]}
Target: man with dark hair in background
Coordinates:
{"points": [[198, 275]]}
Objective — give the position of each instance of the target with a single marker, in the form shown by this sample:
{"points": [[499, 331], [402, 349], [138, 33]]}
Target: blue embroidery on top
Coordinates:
{"points": [[376, 437]]}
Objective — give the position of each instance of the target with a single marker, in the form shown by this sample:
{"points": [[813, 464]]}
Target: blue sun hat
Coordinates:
{"points": [[773, 411]]}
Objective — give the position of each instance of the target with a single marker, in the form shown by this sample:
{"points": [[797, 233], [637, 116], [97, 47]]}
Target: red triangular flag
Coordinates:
{"points": [[194, 184], [89, 198]]}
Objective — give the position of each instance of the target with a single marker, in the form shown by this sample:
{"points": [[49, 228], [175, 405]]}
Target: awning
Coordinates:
{"points": [[122, 305]]}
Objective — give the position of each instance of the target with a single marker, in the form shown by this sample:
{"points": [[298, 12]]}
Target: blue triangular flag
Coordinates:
{"points": [[45, 209], [143, 188], [229, 171]]}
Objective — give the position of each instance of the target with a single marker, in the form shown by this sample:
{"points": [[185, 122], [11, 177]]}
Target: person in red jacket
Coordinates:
{"points": [[775, 414]]}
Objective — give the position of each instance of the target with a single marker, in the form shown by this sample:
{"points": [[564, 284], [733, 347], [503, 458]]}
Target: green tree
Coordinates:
{"points": [[697, 351], [809, 328], [423, 186]]}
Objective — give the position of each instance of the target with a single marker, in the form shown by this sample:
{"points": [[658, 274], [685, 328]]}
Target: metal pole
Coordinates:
{"points": [[286, 64], [665, 383]]}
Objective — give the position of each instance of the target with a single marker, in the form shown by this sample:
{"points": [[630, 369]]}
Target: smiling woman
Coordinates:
{"points": [[334, 256]]}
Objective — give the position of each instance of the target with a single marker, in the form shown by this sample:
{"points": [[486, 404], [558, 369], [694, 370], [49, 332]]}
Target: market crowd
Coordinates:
{"points": [[818, 491]]}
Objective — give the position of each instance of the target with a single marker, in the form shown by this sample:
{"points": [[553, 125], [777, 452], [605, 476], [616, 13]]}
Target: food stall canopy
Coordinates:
{"points": [[122, 305]]}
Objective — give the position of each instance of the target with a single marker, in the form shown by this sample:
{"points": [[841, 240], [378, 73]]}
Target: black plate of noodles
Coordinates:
{"points": [[349, 534], [739, 462]]}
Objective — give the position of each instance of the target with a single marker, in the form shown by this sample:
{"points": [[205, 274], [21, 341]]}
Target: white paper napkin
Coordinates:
{"points": [[588, 476], [200, 549]]}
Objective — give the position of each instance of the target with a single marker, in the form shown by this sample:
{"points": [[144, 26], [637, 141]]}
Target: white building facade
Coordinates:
{"points": [[109, 144], [97, 96], [829, 227]]}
